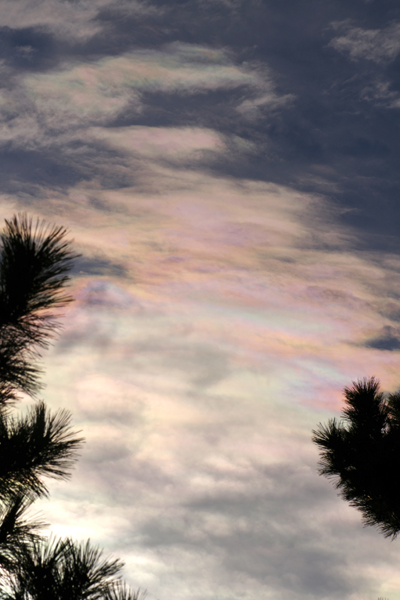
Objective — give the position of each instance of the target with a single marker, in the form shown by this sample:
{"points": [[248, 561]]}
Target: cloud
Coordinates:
{"points": [[56, 127], [95, 93], [74, 21], [166, 144], [198, 375], [377, 45], [387, 339], [97, 266], [380, 94], [219, 523]]}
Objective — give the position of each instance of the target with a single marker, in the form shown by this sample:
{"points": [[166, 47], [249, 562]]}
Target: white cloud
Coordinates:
{"points": [[379, 93], [171, 143], [377, 45], [42, 106], [74, 21]]}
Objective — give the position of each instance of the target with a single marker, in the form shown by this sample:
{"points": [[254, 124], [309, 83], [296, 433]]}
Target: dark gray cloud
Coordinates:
{"points": [[28, 49], [27, 171], [387, 339], [290, 556], [85, 266]]}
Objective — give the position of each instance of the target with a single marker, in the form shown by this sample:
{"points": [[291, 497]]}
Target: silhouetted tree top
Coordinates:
{"points": [[361, 453], [34, 263]]}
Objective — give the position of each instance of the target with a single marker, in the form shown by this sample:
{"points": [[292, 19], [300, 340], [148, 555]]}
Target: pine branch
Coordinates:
{"points": [[63, 570], [15, 531], [361, 453], [34, 265], [39, 444]]}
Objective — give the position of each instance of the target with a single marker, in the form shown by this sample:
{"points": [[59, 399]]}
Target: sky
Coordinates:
{"points": [[229, 172]]}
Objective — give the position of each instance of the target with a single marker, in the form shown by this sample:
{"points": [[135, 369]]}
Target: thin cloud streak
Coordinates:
{"points": [[377, 45], [68, 20]]}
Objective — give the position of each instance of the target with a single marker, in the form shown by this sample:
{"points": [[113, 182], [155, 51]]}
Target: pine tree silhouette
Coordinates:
{"points": [[361, 453]]}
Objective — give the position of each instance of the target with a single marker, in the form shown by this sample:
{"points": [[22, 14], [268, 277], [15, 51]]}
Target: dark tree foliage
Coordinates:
{"points": [[64, 570], [32, 446], [361, 452], [34, 265]]}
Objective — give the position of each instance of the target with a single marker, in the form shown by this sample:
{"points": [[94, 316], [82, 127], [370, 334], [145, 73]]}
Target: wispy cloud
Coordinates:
{"points": [[77, 96], [377, 45], [72, 21], [380, 93]]}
